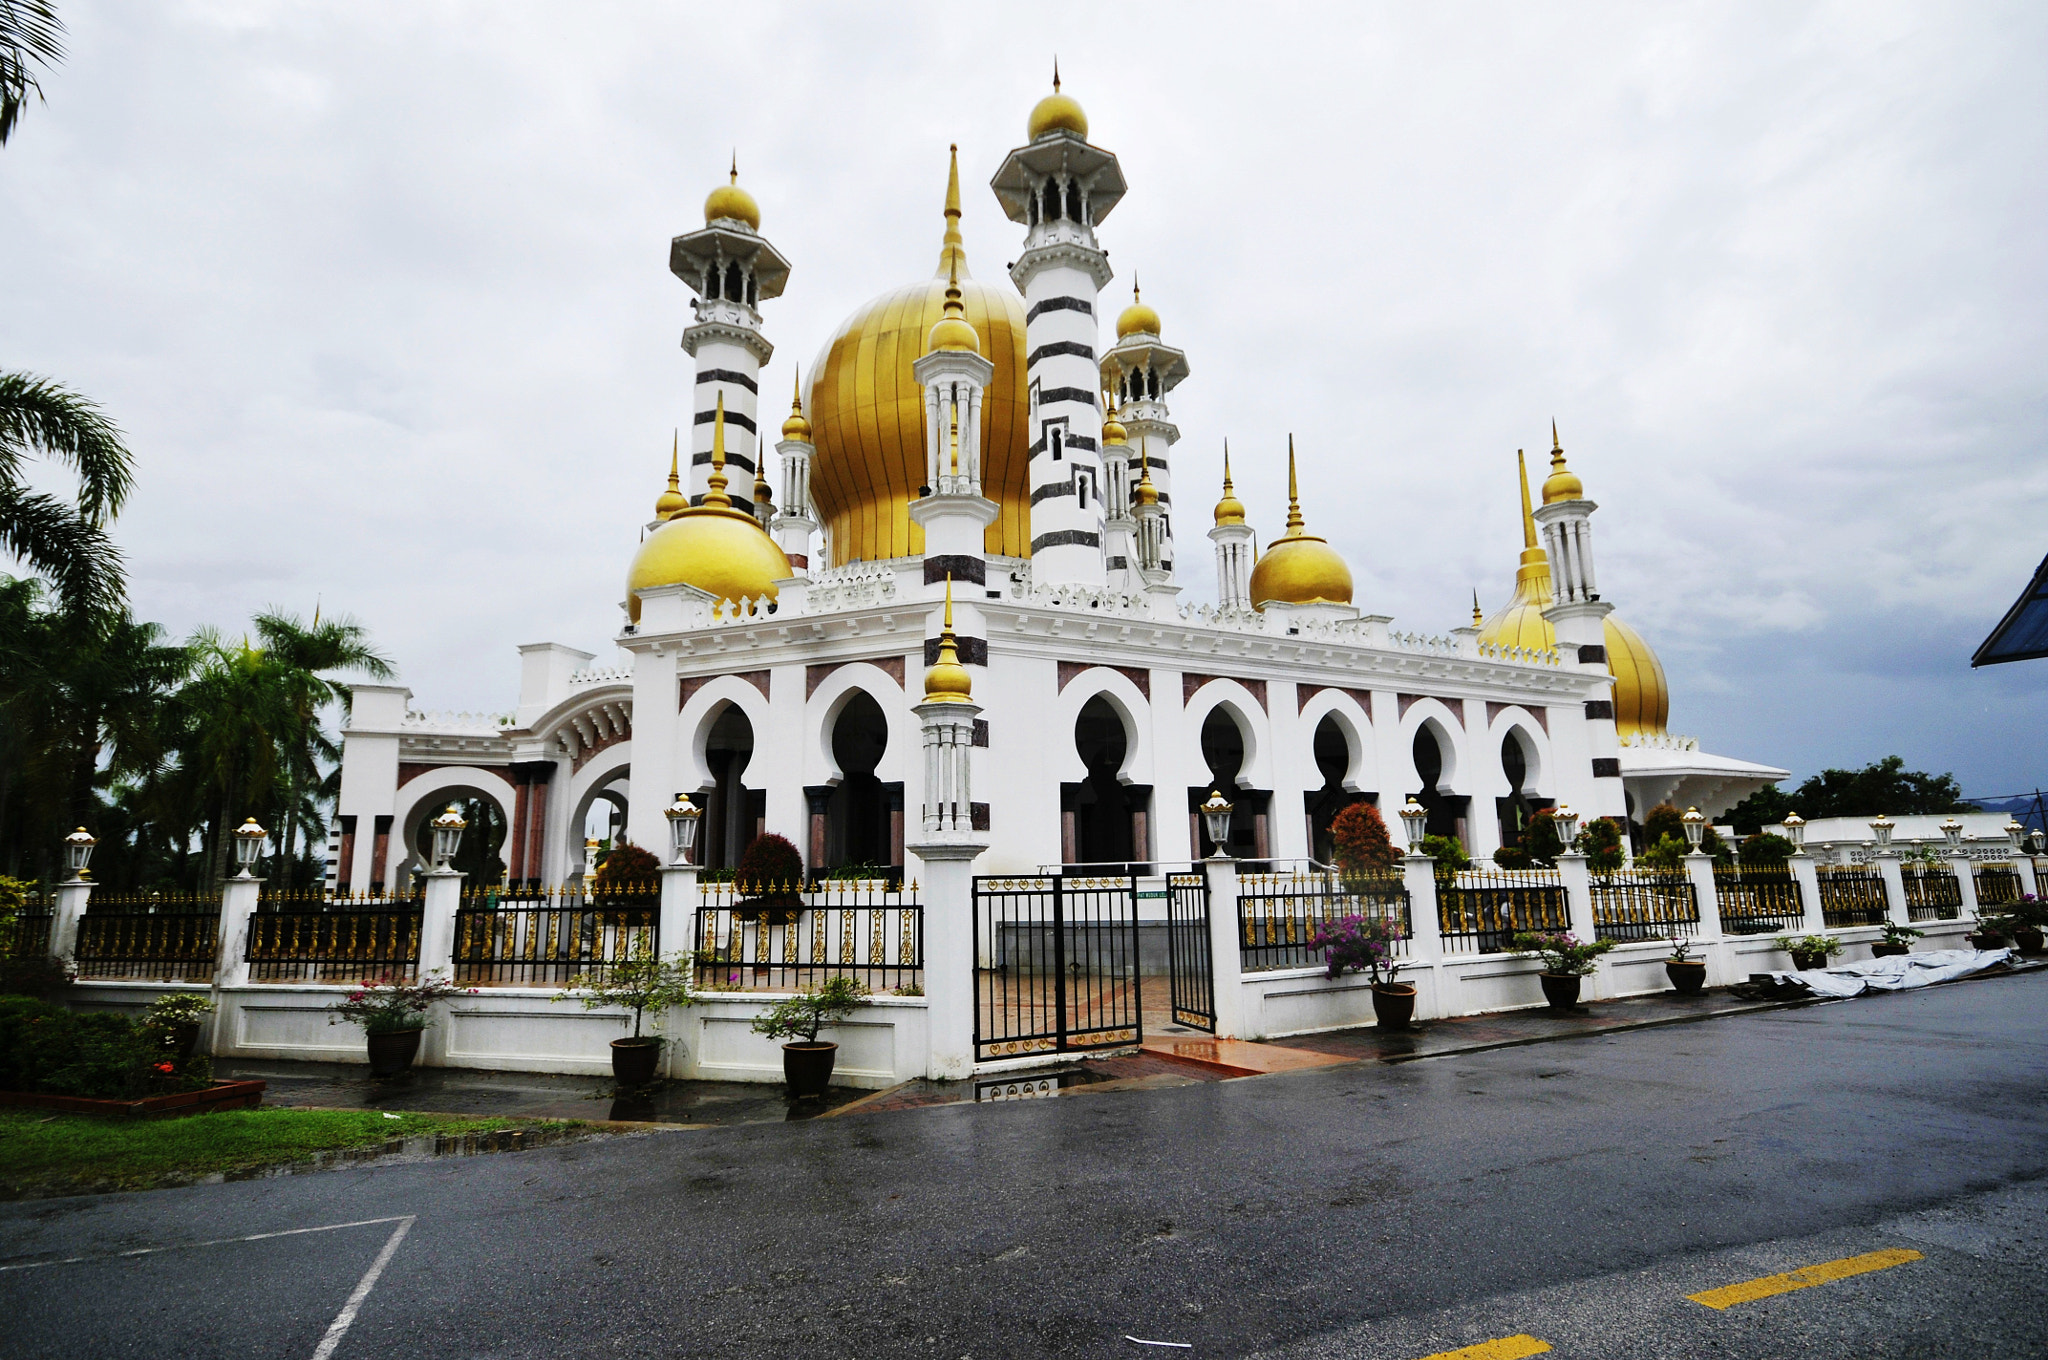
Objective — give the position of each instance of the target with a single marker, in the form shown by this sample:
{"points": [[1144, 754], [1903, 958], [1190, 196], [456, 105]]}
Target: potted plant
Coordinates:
{"points": [[1367, 943], [393, 1014], [174, 1021], [639, 983], [1897, 939], [1688, 974], [2028, 916], [806, 1061], [1566, 962], [1810, 951], [1992, 932]]}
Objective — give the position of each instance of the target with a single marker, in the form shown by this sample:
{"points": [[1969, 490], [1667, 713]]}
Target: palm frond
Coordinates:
{"points": [[44, 417]]}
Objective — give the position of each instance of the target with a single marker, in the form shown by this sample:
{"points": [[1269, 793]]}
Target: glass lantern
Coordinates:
{"points": [[448, 829], [1216, 818], [683, 818], [1567, 823], [1795, 830], [1952, 832], [78, 852], [1882, 827], [1695, 824], [1414, 824], [248, 847]]}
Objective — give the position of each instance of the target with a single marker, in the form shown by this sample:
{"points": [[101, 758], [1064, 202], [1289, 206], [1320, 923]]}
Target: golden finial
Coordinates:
{"points": [[1477, 617], [673, 499], [1229, 509], [947, 681], [1294, 520], [1055, 73], [714, 494], [953, 248], [1555, 447], [764, 495], [951, 331], [1148, 494], [1528, 517], [1563, 484], [796, 427]]}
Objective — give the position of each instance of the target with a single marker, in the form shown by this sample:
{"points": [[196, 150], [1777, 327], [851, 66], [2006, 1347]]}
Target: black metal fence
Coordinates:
{"points": [[869, 930], [1932, 892], [155, 937], [307, 936], [1056, 964], [1634, 905], [1998, 885], [1279, 914], [1758, 901], [1481, 910], [1852, 895], [29, 936], [545, 939]]}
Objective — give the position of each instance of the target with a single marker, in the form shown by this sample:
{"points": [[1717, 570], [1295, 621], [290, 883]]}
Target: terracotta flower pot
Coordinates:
{"points": [[2028, 939], [1881, 950], [1393, 1004], [635, 1060], [1561, 990], [808, 1067], [1688, 976], [393, 1051]]}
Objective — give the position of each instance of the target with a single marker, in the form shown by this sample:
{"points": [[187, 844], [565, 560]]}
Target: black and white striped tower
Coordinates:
{"points": [[732, 269], [1059, 187], [1139, 370], [1579, 617]]}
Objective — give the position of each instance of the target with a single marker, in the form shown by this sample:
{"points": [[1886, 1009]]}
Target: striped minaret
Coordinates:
{"points": [[1059, 187], [732, 269]]}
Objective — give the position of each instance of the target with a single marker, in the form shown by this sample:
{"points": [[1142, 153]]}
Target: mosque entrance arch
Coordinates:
{"points": [[1446, 810], [733, 813], [1104, 821], [479, 856], [862, 815], [1223, 751], [1520, 802], [1334, 759]]}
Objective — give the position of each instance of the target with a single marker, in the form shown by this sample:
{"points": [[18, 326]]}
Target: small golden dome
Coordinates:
{"points": [[731, 201], [796, 427], [1298, 567], [946, 681], [1146, 494], [951, 331], [1137, 319], [1229, 510], [717, 549], [1563, 484], [673, 499], [1057, 113], [1113, 431]]}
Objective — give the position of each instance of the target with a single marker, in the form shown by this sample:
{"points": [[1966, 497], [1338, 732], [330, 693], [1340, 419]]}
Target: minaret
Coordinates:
{"points": [[792, 529], [1234, 548], [732, 269], [1153, 569], [954, 375], [1119, 528], [1579, 617], [947, 712], [1059, 188], [1139, 371]]}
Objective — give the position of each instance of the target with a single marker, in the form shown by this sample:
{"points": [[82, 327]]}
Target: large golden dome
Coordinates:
{"points": [[730, 201], [1298, 567], [867, 412], [719, 550], [1642, 702], [1056, 113]]}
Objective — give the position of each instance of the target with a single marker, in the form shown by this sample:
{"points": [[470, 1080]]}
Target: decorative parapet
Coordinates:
{"points": [[601, 675], [456, 724], [1659, 741]]}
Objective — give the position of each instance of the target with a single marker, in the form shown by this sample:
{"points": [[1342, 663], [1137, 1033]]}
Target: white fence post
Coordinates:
{"points": [[2024, 864], [1966, 884], [67, 904], [676, 925], [238, 897], [1425, 935], [950, 977], [1226, 959], [1808, 879], [1699, 867], [437, 921], [1578, 906], [1894, 875]]}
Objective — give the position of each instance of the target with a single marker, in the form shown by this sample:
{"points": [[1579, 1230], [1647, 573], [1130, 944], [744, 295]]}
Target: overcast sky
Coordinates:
{"points": [[380, 293]]}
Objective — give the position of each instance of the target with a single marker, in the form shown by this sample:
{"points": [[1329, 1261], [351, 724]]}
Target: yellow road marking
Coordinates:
{"points": [[1804, 1278], [1501, 1348]]}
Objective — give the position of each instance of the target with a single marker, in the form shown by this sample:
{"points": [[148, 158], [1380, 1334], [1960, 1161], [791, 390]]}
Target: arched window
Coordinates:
{"points": [[733, 287], [1048, 210], [864, 816], [1223, 752], [1332, 751], [1103, 820], [1053, 438], [733, 813], [1446, 810]]}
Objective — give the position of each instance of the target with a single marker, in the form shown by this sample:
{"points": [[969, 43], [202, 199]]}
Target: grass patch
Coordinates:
{"points": [[45, 1153]]}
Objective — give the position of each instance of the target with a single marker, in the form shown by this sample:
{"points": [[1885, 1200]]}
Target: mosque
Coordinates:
{"points": [[973, 505]]}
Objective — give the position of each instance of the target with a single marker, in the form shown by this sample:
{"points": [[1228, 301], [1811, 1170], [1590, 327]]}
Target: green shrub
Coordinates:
{"points": [[1764, 849], [49, 1049], [1600, 843], [1448, 852]]}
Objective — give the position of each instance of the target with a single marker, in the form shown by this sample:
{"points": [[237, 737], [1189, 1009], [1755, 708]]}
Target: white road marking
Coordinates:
{"points": [[216, 1242], [338, 1329]]}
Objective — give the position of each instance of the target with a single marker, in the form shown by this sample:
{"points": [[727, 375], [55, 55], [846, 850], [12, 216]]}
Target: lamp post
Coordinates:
{"points": [[2036, 841], [2014, 831], [1567, 823], [683, 817], [1952, 832], [448, 829], [78, 853], [1695, 824], [1414, 824], [1795, 831], [1882, 827], [248, 847], [1216, 819]]}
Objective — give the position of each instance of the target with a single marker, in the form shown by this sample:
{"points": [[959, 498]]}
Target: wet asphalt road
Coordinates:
{"points": [[1570, 1191]]}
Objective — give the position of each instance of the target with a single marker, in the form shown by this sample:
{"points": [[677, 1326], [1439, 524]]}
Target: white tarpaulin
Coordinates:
{"points": [[1897, 972]]}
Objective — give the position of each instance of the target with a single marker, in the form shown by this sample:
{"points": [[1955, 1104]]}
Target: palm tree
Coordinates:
{"points": [[29, 31], [67, 543], [305, 655]]}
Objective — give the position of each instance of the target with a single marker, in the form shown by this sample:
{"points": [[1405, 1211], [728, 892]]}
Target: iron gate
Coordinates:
{"points": [[1187, 951], [1055, 964]]}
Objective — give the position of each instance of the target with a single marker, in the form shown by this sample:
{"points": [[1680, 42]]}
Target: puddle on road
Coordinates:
{"points": [[1037, 1087]]}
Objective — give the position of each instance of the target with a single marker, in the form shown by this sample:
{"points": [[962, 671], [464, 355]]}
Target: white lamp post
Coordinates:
{"points": [[2036, 840], [1952, 832], [248, 847], [448, 829], [78, 852], [1695, 824], [1414, 824], [1216, 818], [683, 816], [1795, 830], [2013, 832], [1882, 827], [1567, 823]]}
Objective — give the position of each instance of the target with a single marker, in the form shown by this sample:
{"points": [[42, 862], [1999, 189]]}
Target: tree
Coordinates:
{"points": [[67, 543], [1885, 786], [29, 33], [1359, 839]]}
